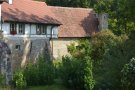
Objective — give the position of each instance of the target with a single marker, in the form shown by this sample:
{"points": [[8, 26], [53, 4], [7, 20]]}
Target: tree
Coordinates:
{"points": [[77, 70], [110, 53], [121, 14], [128, 75]]}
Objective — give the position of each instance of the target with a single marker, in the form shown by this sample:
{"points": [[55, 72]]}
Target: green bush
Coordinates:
{"points": [[76, 70], [77, 73], [2, 80], [71, 73], [40, 73], [110, 53], [19, 79], [128, 75]]}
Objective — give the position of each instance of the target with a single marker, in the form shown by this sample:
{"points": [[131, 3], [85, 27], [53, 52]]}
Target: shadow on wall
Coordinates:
{"points": [[27, 50], [90, 24]]}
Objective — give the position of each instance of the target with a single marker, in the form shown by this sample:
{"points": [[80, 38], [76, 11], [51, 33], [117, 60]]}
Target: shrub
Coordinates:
{"points": [[40, 73], [2, 80], [110, 53], [128, 75], [88, 73], [76, 71], [71, 73], [19, 79]]}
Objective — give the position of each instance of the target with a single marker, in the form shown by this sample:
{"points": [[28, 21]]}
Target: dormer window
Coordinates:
{"points": [[41, 30], [13, 28]]}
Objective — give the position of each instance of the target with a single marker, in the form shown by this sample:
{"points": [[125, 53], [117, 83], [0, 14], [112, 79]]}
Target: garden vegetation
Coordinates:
{"points": [[105, 62]]}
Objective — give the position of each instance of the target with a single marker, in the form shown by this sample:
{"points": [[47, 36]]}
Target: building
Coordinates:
{"points": [[31, 27], [77, 23]]}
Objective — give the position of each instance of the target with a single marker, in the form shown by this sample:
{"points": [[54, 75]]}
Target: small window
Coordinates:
{"points": [[104, 17], [13, 28], [21, 28], [18, 47]]}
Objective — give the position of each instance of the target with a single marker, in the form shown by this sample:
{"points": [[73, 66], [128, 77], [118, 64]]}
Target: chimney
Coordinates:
{"points": [[103, 21], [10, 1]]}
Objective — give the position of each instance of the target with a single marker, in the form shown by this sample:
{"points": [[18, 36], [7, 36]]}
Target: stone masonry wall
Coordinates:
{"points": [[60, 46], [26, 50]]}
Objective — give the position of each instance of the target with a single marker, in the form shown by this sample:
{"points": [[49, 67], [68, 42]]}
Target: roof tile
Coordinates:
{"points": [[76, 22], [28, 11]]}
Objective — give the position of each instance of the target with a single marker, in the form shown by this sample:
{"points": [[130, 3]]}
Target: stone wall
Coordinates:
{"points": [[26, 50], [5, 61], [60, 46]]}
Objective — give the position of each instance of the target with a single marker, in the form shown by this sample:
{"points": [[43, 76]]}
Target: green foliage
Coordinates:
{"points": [[70, 3], [121, 14], [48, 87], [110, 53], [76, 71], [71, 72], [128, 75], [19, 79], [101, 42], [40, 73], [81, 50], [88, 74], [2, 80]]}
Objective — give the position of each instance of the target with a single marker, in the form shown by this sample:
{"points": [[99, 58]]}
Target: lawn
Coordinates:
{"points": [[51, 87]]}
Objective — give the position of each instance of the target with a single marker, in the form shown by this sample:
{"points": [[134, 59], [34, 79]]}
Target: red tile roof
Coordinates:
{"points": [[28, 11], [76, 22]]}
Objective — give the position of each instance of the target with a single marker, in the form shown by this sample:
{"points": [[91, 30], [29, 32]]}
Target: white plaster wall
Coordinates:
{"points": [[49, 31], [6, 28], [0, 16], [27, 29], [55, 32], [33, 29], [30, 31]]}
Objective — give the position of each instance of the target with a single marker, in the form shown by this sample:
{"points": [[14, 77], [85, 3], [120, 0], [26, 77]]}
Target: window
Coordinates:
{"points": [[18, 47], [38, 29], [21, 28], [44, 30], [13, 28], [17, 30], [41, 30]]}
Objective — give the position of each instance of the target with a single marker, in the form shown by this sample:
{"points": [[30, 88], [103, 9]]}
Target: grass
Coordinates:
{"points": [[5, 88], [51, 87]]}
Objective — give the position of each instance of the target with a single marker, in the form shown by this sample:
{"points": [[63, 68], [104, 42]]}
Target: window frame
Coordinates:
{"points": [[21, 28], [13, 28], [41, 29], [17, 47]]}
